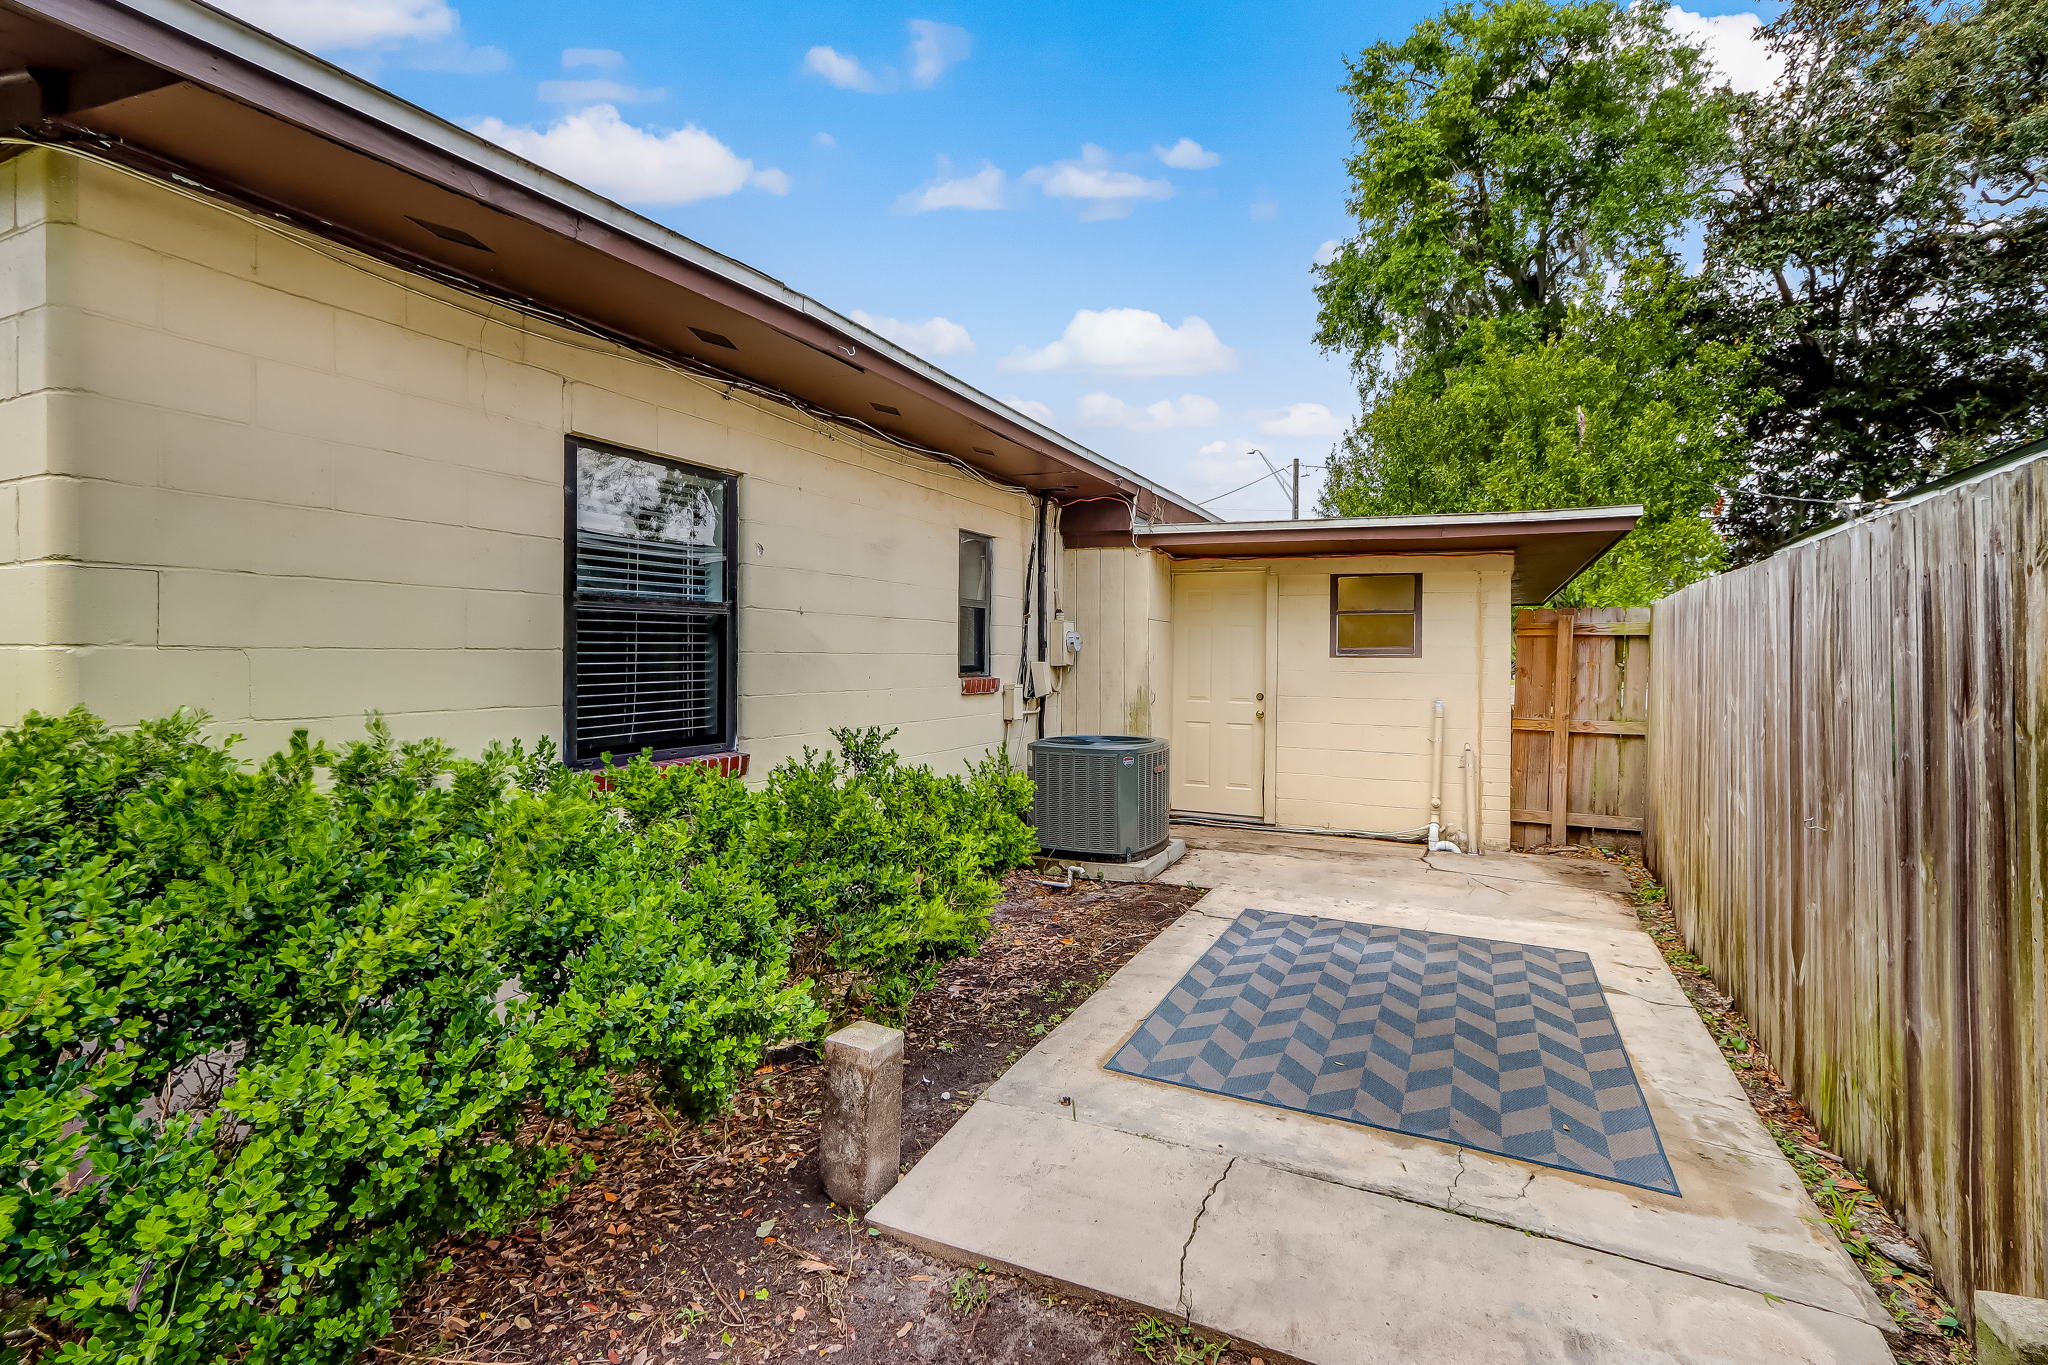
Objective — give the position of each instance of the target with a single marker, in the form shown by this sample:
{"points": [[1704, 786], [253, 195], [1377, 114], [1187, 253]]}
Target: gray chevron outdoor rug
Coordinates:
{"points": [[1502, 1047]]}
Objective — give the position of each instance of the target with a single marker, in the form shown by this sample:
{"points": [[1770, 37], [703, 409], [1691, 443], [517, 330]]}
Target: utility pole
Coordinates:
{"points": [[1293, 489]]}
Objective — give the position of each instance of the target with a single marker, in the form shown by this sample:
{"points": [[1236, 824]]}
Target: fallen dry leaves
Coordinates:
{"points": [[714, 1243]]}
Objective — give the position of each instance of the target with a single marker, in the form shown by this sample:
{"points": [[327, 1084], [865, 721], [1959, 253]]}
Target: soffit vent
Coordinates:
{"points": [[713, 338]]}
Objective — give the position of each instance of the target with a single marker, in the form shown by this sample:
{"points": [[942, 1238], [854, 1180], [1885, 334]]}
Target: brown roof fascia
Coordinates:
{"points": [[1323, 540], [123, 29], [1549, 554]]}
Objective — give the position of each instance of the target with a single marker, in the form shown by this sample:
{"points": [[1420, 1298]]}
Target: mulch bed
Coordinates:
{"points": [[1895, 1263], [716, 1243]]}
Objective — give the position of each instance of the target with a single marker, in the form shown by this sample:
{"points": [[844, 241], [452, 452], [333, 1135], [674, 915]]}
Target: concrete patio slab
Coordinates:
{"points": [[1098, 1180], [1279, 1254]]}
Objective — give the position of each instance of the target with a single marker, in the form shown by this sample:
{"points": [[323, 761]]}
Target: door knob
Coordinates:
{"points": [[1261, 715]]}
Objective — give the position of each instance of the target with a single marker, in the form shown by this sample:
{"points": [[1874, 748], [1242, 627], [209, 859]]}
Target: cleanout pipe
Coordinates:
{"points": [[1435, 843]]}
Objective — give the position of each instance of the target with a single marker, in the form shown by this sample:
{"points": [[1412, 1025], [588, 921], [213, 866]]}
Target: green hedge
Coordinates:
{"points": [[267, 1033]]}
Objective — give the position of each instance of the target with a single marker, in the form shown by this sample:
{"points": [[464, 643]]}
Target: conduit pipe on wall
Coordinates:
{"points": [[1435, 843], [1039, 613], [1470, 761]]}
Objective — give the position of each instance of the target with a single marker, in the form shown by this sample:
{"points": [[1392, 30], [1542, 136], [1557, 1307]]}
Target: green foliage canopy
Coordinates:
{"points": [[1509, 300], [1617, 407], [1883, 245], [1511, 158]]}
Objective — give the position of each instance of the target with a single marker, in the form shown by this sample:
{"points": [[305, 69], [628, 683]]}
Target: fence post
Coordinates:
{"points": [[1561, 726], [2011, 1330], [862, 1143]]}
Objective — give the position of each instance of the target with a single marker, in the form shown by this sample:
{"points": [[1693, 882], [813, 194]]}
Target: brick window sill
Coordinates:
{"points": [[732, 764], [980, 686]]}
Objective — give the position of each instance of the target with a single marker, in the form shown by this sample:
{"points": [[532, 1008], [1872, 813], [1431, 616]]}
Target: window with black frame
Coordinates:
{"points": [[649, 631], [977, 600]]}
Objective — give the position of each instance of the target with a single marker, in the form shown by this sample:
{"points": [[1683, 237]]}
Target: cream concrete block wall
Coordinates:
{"points": [[1350, 736], [29, 610], [290, 485], [1122, 600]]}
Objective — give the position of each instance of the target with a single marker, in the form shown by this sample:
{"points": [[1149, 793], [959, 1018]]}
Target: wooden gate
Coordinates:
{"points": [[1580, 766]]}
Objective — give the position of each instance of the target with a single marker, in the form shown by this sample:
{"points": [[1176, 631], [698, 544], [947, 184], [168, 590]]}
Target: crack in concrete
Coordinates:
{"points": [[1473, 881], [1181, 1301], [1661, 1004], [1474, 1212], [1451, 1192], [1196, 909]]}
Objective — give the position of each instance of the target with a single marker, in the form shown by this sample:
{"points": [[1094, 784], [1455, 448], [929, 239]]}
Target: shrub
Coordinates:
{"points": [[883, 870], [267, 1033]]}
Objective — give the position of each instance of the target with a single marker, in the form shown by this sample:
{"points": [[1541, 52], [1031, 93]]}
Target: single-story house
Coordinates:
{"points": [[319, 405]]}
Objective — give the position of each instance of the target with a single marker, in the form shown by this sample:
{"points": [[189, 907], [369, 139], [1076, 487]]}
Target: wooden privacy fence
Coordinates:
{"points": [[1851, 761], [1579, 766]]}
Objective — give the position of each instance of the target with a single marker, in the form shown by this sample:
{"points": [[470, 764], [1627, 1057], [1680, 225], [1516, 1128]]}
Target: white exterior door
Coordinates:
{"points": [[1219, 703]]}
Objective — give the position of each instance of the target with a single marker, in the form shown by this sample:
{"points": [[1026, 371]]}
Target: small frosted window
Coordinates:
{"points": [[1376, 614]]}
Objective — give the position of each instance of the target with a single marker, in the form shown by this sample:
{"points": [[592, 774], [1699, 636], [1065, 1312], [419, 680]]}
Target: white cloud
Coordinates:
{"points": [[824, 140], [453, 55], [597, 148], [1265, 211], [1328, 251], [841, 70], [933, 336], [1186, 155], [1302, 419], [1189, 410], [1227, 462], [595, 92], [424, 34], [1225, 465], [934, 47], [1733, 43], [982, 190], [349, 23], [1128, 341], [1109, 193], [1030, 407], [593, 56]]}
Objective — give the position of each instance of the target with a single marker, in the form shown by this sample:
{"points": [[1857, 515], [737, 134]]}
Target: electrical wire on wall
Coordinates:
{"points": [[617, 346]]}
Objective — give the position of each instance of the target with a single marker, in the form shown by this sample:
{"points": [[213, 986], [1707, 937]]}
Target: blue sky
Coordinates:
{"points": [[1112, 208]]}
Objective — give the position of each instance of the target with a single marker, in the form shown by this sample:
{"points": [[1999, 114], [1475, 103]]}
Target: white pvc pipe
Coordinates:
{"points": [[1435, 843]]}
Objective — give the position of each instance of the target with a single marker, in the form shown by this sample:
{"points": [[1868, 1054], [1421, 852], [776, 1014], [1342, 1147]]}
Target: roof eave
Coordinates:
{"points": [[1551, 548]]}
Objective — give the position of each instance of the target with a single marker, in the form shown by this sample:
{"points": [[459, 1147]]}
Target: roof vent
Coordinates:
{"points": [[713, 338], [884, 407], [450, 234], [984, 450]]}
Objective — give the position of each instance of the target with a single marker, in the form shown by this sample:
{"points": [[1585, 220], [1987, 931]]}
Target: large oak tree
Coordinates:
{"points": [[1882, 244], [1517, 162]]}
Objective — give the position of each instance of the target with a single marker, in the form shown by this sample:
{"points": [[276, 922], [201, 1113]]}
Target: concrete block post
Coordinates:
{"points": [[862, 1144], [2011, 1330]]}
